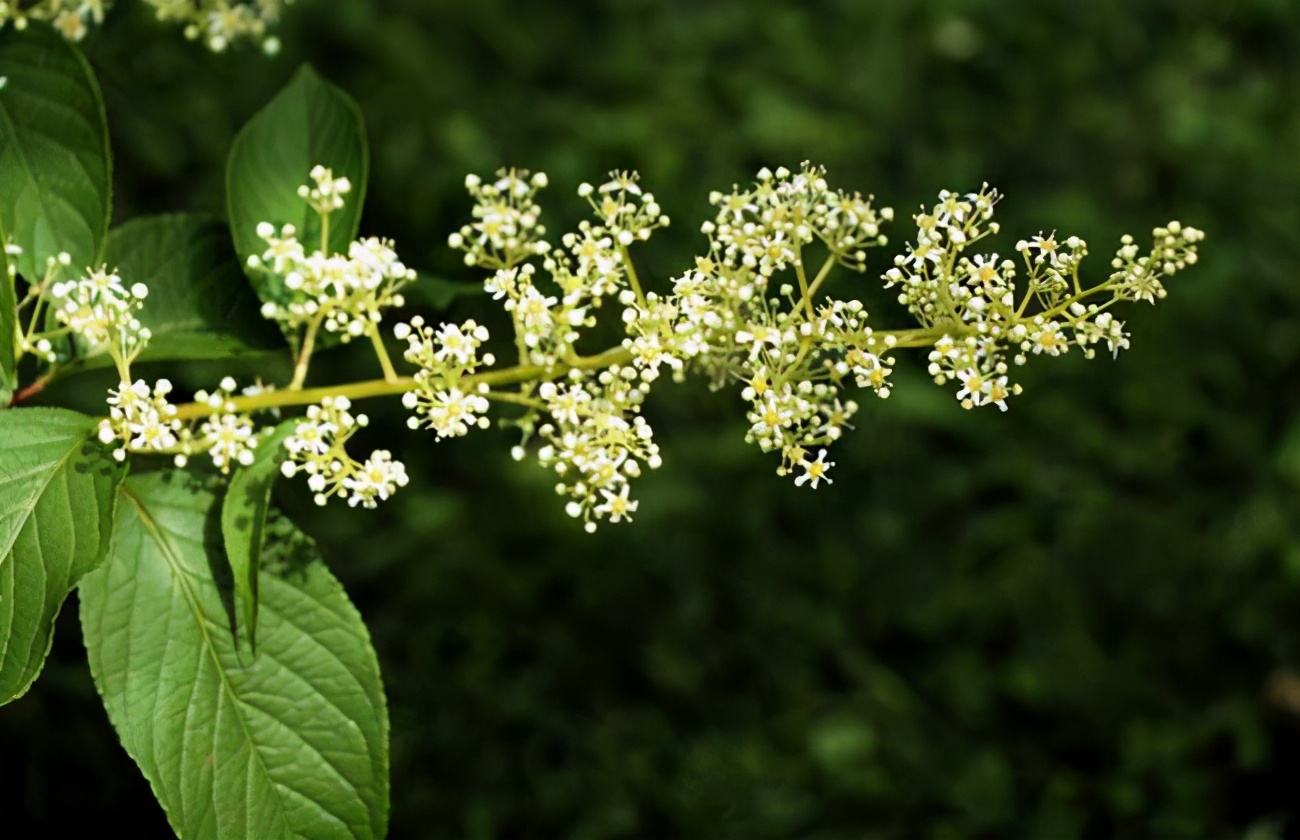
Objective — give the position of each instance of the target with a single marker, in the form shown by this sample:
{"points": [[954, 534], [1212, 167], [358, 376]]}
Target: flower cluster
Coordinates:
{"points": [[318, 448], [228, 436], [935, 283], [102, 311], [586, 414], [442, 399], [220, 23], [1138, 277], [625, 212], [141, 418], [986, 324], [343, 294], [749, 312], [752, 311], [591, 264], [217, 23], [72, 18], [505, 230], [596, 441], [97, 309]]}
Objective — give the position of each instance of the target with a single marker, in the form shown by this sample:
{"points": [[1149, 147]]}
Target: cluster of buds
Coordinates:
{"points": [[318, 448], [220, 23], [1137, 276], [329, 192], [72, 18], [343, 294]]}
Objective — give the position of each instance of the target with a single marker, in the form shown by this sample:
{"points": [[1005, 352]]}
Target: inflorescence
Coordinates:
{"points": [[72, 18], [216, 23], [751, 313]]}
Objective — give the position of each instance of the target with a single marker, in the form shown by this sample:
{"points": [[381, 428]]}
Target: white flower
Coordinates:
{"points": [[450, 413], [228, 439], [973, 391], [616, 506], [996, 391], [376, 480], [815, 471], [459, 344], [141, 418], [311, 437]]}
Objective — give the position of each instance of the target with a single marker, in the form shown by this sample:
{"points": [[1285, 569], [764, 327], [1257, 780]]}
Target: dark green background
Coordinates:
{"points": [[1078, 619]]}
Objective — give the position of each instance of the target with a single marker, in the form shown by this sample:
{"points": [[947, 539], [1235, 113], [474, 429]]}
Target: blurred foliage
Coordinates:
{"points": [[1080, 619]]}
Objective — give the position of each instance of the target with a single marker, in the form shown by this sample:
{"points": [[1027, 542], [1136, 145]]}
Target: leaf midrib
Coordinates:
{"points": [[179, 574]]}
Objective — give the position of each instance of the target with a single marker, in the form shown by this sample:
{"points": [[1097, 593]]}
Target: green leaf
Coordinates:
{"points": [[243, 522], [200, 305], [310, 122], [292, 744], [55, 170], [56, 511], [439, 292], [8, 328]]}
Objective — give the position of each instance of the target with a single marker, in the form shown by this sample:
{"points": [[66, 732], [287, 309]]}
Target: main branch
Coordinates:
{"points": [[515, 375]]}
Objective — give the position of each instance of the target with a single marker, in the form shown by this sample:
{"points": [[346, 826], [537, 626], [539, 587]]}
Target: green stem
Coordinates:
{"points": [[822, 274], [804, 291], [381, 351], [304, 357], [31, 326], [631, 275], [1064, 305], [382, 388]]}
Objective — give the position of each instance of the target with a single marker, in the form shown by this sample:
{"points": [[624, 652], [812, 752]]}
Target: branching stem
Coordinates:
{"points": [[304, 356], [516, 375], [381, 351]]}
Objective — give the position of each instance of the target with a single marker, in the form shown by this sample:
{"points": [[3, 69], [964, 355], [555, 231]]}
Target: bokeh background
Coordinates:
{"points": [[1078, 619]]}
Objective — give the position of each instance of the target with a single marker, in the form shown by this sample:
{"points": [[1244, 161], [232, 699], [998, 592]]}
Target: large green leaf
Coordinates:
{"points": [[56, 512], [8, 328], [310, 122], [55, 171], [200, 305], [243, 523], [292, 743]]}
